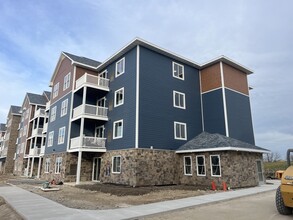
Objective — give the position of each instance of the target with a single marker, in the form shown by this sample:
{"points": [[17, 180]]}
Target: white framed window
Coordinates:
{"points": [[180, 131], [116, 164], [187, 165], [50, 139], [53, 113], [178, 99], [58, 164], [66, 82], [47, 165], [118, 129], [119, 97], [64, 106], [178, 71], [55, 90], [215, 165], [61, 135], [200, 165], [120, 67]]}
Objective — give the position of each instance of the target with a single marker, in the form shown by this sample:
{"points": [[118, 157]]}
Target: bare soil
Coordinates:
{"points": [[96, 196]]}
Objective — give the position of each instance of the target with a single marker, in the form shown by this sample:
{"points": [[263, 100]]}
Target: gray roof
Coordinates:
{"points": [[48, 94], [37, 99], [15, 109], [83, 60], [2, 127], [209, 142]]}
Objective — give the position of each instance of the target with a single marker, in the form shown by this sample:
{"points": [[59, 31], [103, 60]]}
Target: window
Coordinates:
{"points": [[187, 165], [116, 164], [178, 99], [118, 129], [53, 113], [120, 67], [178, 71], [215, 165], [58, 164], [64, 107], [47, 165], [119, 97], [61, 135], [200, 162], [55, 90], [50, 139], [180, 132], [66, 83]]}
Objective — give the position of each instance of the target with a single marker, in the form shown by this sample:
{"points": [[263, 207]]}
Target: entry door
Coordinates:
{"points": [[260, 172], [101, 102], [100, 131], [96, 169]]}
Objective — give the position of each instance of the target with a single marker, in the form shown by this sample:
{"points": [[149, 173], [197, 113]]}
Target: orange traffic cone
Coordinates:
{"points": [[214, 187], [224, 186]]}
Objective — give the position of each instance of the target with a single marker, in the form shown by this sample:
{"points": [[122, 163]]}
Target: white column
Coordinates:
{"points": [[78, 167], [32, 167], [28, 166], [39, 167]]}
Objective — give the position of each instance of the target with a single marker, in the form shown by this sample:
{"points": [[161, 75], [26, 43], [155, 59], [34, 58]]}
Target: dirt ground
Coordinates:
{"points": [[105, 196]]}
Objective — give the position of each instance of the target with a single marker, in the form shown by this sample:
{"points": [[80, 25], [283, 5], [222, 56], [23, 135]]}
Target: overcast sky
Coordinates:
{"points": [[257, 34]]}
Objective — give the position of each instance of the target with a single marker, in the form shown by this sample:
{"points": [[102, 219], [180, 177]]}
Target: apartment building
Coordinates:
{"points": [[144, 116], [30, 135], [3, 151]]}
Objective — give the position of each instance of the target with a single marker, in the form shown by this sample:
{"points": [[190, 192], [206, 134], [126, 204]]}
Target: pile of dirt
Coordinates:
{"points": [[6, 212]]}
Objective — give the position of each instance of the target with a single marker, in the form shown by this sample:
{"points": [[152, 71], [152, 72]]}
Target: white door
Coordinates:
{"points": [[100, 132], [96, 169]]}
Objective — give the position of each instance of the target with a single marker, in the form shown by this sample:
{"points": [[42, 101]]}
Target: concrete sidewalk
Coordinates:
{"points": [[32, 206]]}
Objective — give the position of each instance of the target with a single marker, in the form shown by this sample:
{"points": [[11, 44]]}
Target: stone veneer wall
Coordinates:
{"points": [[140, 167], [238, 169]]}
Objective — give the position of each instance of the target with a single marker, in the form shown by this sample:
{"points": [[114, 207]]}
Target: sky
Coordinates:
{"points": [[257, 34]]}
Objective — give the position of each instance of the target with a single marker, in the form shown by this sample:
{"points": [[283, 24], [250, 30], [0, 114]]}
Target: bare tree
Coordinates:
{"points": [[272, 157]]}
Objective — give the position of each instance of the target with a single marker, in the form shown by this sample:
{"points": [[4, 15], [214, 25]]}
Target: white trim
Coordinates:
{"points": [[47, 165], [187, 174], [204, 163], [137, 98], [50, 134], [224, 100], [115, 97], [70, 109], [211, 165], [174, 100], [55, 113], [185, 130], [223, 149], [113, 165], [103, 132], [212, 90], [58, 164], [116, 122], [55, 90], [173, 68], [201, 103], [66, 81], [63, 106], [61, 139], [123, 63]]}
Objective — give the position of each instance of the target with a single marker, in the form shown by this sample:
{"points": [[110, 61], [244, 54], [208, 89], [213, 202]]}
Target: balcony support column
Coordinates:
{"points": [[27, 167], [78, 167], [39, 167], [32, 167]]}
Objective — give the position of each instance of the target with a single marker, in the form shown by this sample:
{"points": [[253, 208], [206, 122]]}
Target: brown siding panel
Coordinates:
{"points": [[235, 79], [211, 78]]}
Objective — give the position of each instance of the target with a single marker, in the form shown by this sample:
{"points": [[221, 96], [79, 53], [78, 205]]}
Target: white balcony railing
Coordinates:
{"points": [[35, 151], [88, 142], [37, 131], [91, 110], [94, 81], [40, 112]]}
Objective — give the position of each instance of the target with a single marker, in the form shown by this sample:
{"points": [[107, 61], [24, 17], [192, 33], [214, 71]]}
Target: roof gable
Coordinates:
{"points": [[15, 110], [36, 99], [217, 142]]}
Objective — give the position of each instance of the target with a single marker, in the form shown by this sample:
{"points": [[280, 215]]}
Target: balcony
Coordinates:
{"points": [[35, 151], [90, 111], [37, 131], [45, 128], [48, 106], [88, 143], [92, 81], [40, 113], [42, 152]]}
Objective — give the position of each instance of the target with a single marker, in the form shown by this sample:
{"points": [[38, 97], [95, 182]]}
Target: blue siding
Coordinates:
{"points": [[125, 111], [239, 117], [213, 112], [156, 111], [58, 123]]}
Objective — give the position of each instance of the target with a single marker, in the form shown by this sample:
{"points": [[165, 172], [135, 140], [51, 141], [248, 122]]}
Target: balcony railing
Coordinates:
{"points": [[91, 110], [37, 131], [40, 112], [94, 81], [35, 151], [88, 143]]}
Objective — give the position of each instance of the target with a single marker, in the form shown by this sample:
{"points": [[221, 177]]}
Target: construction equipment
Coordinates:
{"points": [[284, 193]]}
